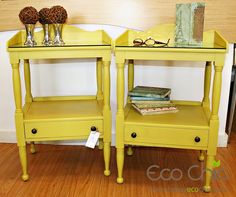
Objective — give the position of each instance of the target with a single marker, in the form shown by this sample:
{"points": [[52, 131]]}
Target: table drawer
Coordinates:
{"points": [[61, 129], [166, 137]]}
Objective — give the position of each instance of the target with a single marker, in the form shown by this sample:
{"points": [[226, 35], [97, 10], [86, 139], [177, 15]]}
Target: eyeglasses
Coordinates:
{"points": [[150, 42]]}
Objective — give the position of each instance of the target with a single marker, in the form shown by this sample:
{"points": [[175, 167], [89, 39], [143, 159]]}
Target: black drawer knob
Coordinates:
{"points": [[133, 135], [34, 131], [197, 139], [93, 128]]}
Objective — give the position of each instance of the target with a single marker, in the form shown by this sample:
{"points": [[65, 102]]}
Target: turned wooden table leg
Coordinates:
{"points": [[120, 122], [19, 119], [214, 124], [107, 117], [28, 95], [99, 79], [130, 150], [100, 144], [201, 156], [209, 171], [99, 91], [32, 148]]}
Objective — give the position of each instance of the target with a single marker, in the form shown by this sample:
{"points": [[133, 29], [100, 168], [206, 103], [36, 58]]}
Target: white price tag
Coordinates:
{"points": [[92, 139]]}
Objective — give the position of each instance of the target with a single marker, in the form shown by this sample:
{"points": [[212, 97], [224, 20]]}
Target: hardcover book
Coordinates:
{"points": [[155, 110], [150, 102], [151, 92], [143, 98], [151, 105]]}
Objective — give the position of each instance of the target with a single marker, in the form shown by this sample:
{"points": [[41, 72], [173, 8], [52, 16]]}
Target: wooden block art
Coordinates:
{"points": [[189, 23]]}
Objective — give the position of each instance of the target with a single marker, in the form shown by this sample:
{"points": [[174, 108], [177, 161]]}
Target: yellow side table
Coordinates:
{"points": [[196, 124], [64, 117]]}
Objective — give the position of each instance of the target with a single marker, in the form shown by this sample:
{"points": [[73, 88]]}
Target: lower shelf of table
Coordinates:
{"points": [[177, 130], [62, 120]]}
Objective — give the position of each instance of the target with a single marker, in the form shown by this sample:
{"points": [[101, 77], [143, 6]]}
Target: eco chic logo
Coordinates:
{"points": [[176, 174]]}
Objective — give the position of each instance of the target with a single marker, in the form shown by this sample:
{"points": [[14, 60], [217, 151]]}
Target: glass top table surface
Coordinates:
{"points": [[79, 44], [176, 46]]}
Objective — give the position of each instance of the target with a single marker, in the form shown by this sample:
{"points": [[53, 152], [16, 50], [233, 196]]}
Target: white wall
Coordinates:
{"points": [[70, 77]]}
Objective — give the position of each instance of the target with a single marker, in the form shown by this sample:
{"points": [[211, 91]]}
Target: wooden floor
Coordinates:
{"points": [[78, 171]]}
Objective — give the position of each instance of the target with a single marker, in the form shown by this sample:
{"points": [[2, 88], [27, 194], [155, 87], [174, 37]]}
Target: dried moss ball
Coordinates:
{"points": [[58, 14], [44, 16], [29, 15]]}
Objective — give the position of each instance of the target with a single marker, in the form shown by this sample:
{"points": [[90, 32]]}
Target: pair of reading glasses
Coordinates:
{"points": [[150, 42]]}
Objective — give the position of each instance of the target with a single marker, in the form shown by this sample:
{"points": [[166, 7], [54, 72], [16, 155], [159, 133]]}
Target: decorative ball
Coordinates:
{"points": [[44, 16], [29, 15], [58, 14]]}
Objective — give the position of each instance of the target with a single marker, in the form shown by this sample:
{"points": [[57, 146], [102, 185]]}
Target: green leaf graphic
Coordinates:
{"points": [[216, 163]]}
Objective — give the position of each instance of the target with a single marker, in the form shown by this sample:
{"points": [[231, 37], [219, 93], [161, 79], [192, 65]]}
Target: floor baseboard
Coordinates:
{"points": [[7, 137]]}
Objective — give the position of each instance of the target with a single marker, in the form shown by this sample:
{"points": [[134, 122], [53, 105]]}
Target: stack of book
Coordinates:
{"points": [[152, 100]]}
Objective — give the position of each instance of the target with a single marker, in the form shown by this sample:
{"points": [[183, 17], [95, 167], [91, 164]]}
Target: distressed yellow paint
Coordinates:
{"points": [[64, 117], [173, 130]]}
